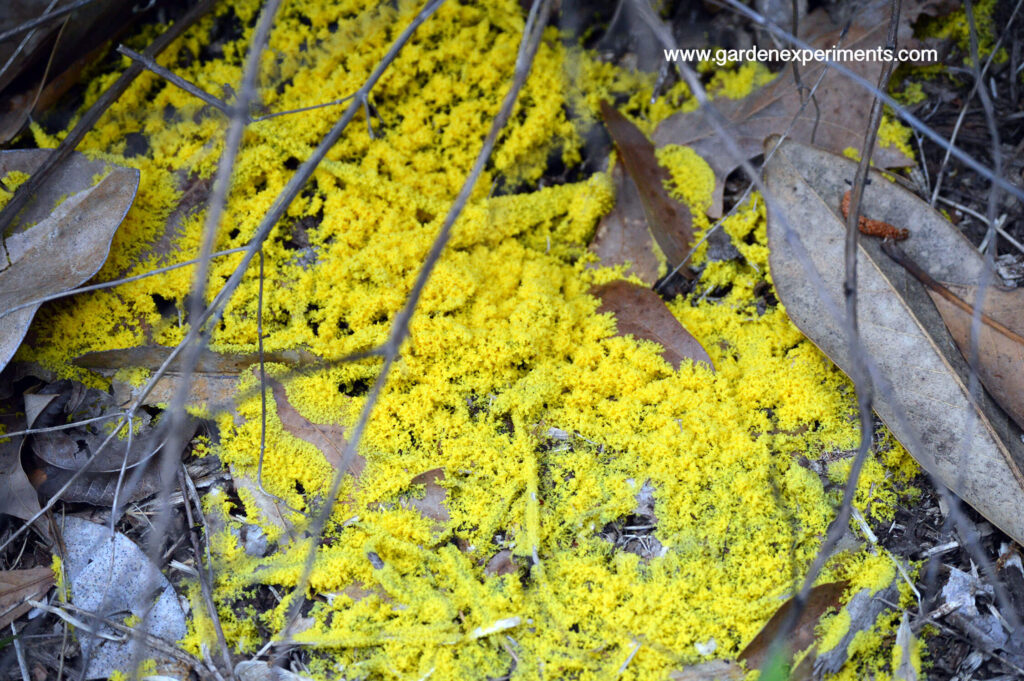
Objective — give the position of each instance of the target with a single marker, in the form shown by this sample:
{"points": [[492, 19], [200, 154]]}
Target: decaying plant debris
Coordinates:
{"points": [[565, 476]]}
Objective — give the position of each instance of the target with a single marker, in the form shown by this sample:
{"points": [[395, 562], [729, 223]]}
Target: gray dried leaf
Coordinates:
{"points": [[112, 576], [900, 327], [17, 496], [65, 249]]}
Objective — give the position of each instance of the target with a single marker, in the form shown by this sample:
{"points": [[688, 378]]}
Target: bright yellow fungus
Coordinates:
{"points": [[505, 345]]}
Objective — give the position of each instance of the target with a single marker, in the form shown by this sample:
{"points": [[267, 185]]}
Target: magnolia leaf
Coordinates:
{"points": [[622, 236], [641, 312], [925, 377], [62, 251], [18, 586], [844, 106], [822, 598], [669, 220]]}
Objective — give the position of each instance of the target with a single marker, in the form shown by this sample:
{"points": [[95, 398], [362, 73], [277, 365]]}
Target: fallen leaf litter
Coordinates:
{"points": [[507, 337]]}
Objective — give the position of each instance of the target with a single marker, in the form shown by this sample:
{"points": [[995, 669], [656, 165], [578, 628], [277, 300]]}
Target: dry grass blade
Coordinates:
{"points": [[19, 586], [61, 252], [641, 312], [668, 220]]}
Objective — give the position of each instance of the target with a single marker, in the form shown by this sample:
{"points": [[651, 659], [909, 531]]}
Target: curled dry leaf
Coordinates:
{"points": [[669, 220], [60, 454], [641, 312], [18, 586], [773, 108], [65, 249], [925, 376]]}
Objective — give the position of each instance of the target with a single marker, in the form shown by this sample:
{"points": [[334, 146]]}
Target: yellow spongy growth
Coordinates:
{"points": [[506, 344]]}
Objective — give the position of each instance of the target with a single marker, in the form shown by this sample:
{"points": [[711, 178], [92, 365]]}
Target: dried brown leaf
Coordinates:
{"points": [[214, 384], [1000, 358], [900, 327], [844, 105], [622, 236], [822, 598], [669, 220], [329, 439], [62, 251], [641, 312], [431, 504], [19, 586], [501, 563]]}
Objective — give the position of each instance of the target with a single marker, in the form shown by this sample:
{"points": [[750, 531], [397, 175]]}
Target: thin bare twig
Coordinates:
{"points": [[43, 19], [176, 80], [188, 491], [215, 208]]}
